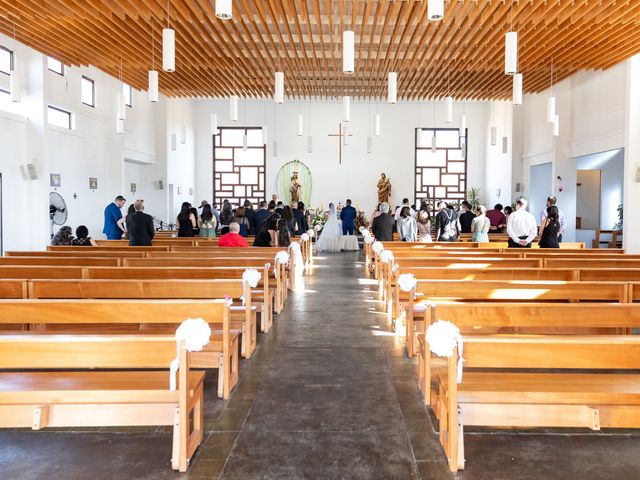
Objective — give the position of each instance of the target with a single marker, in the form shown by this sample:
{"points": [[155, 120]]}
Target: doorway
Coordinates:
{"points": [[541, 187]]}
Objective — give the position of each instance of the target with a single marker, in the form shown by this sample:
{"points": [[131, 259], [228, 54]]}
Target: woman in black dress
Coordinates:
{"points": [[186, 221], [267, 236], [550, 229], [287, 216], [226, 217], [82, 238]]}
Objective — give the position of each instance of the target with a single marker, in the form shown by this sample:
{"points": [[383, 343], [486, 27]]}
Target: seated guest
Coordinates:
{"points": [[497, 219], [233, 238], [466, 217], [63, 236], [383, 225], [82, 238], [301, 219], [522, 226], [140, 226], [267, 236]]}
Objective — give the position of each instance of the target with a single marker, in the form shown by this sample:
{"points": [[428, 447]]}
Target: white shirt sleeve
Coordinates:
{"points": [[510, 231]]}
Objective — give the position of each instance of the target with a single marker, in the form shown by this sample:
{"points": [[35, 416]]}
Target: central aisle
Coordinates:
{"points": [[321, 399]]}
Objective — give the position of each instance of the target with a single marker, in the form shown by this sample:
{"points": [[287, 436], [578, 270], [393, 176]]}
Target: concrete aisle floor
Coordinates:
{"points": [[328, 394]]}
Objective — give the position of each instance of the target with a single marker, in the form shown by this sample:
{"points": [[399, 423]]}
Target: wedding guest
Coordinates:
{"points": [[233, 238], [196, 229], [446, 223], [207, 222], [260, 216], [522, 227], [348, 217], [497, 219], [508, 211], [423, 220], [82, 238], [226, 217], [216, 212], [249, 212], [112, 229], [267, 235], [284, 234], [466, 217], [242, 220], [550, 230], [288, 217], [376, 213], [407, 226], [301, 219], [383, 225], [480, 225], [405, 203], [279, 207], [62, 236], [122, 223], [185, 220], [272, 206], [140, 226], [551, 201]]}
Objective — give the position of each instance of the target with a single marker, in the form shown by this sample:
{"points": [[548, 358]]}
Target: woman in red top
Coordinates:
{"points": [[233, 238]]}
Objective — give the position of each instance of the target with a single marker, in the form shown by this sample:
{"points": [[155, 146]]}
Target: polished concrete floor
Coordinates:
{"points": [[328, 394]]}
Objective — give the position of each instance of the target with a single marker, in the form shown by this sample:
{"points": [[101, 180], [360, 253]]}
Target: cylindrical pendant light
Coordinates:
{"points": [[119, 126], [433, 142], [377, 128], [275, 148], [183, 133], [348, 52], [224, 9], [511, 53], [300, 124], [369, 144], [556, 126], [14, 84], [153, 86], [174, 142], [463, 148], [494, 136], [278, 94], [168, 50], [346, 108], [463, 125], [505, 144], [392, 87], [122, 108], [265, 136], [435, 10], [345, 134], [449, 106], [214, 124], [551, 109], [245, 141], [309, 144], [233, 108], [517, 89]]}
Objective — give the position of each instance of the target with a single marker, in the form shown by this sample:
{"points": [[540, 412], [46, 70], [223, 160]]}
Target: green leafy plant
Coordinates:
{"points": [[620, 210], [474, 197]]}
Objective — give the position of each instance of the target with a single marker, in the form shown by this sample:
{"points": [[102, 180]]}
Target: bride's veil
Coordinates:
{"points": [[332, 209]]}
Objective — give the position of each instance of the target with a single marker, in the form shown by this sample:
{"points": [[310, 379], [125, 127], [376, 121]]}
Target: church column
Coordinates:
{"points": [[632, 157]]}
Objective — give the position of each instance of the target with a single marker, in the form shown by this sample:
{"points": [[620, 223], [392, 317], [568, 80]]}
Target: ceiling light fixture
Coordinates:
{"points": [[346, 108], [517, 89], [168, 47], [348, 52], [153, 74], [435, 10], [224, 9], [278, 94], [392, 87]]}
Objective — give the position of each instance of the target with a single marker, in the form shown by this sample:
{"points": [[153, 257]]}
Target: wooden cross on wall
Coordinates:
{"points": [[341, 134]]}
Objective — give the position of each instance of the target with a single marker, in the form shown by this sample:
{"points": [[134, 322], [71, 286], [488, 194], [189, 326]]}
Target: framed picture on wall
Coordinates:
{"points": [[55, 180], [133, 188], [93, 183], [179, 190]]}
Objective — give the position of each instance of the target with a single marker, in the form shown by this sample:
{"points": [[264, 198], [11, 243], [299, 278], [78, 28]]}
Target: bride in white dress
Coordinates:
{"points": [[329, 240]]}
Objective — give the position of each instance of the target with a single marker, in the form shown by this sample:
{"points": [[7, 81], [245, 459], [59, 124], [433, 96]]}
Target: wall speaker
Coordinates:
{"points": [[29, 171], [518, 188], [160, 185]]}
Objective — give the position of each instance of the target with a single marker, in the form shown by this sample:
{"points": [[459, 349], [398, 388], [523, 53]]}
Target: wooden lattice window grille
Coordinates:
{"points": [[239, 174]]}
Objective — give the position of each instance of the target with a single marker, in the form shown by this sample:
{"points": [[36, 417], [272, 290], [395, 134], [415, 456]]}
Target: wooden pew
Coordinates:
{"points": [[115, 248], [570, 396], [589, 263], [87, 252], [122, 315], [159, 289], [109, 397], [38, 271], [96, 261]]}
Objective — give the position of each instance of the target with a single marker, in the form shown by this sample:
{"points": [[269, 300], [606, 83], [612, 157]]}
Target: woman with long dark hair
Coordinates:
{"points": [[226, 217], [267, 234], [284, 234], [186, 221], [287, 216], [207, 222], [242, 220], [550, 229]]}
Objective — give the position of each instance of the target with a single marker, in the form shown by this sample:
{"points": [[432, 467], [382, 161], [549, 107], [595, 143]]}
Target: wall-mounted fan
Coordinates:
{"points": [[57, 210]]}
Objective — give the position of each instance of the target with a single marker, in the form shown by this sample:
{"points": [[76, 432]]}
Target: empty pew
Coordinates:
{"points": [[96, 261], [39, 397], [87, 252]]}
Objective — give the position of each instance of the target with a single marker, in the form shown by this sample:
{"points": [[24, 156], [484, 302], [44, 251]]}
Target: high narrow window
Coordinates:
{"points": [[127, 92], [59, 117], [6, 60], [88, 91], [55, 66]]}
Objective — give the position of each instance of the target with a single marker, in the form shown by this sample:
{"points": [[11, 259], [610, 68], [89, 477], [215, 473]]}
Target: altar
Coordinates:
{"points": [[344, 243]]}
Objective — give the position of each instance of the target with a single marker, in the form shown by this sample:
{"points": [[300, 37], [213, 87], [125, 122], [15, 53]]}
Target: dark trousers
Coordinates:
{"points": [[347, 229], [513, 244]]}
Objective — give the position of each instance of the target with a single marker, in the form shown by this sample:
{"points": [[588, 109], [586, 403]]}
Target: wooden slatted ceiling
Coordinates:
{"points": [[462, 55]]}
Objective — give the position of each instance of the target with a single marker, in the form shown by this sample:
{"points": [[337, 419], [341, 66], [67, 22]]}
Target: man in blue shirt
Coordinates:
{"points": [[113, 228], [348, 217]]}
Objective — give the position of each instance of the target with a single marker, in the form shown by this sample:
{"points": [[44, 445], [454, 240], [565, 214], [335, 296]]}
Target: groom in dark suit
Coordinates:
{"points": [[348, 217]]}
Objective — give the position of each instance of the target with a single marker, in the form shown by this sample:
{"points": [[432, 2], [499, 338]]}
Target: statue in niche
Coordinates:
{"points": [[384, 189], [295, 189]]}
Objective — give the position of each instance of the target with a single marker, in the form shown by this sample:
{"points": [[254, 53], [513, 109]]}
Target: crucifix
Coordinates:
{"points": [[342, 134]]}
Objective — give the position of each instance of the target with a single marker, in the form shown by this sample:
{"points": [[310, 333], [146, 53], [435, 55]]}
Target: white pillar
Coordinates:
{"points": [[632, 157]]}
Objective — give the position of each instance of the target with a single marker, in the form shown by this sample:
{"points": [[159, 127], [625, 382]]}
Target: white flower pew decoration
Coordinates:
{"points": [[282, 257], [305, 237], [369, 239], [407, 282], [317, 228], [365, 232], [386, 256], [298, 261], [377, 247], [361, 229], [310, 232], [443, 337], [250, 277], [195, 333]]}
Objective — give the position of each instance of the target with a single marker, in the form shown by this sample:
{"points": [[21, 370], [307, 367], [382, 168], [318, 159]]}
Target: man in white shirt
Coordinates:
{"points": [[521, 226], [405, 203], [551, 201]]}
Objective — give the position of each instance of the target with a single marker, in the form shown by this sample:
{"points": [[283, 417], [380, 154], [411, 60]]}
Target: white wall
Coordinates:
{"points": [[588, 199], [393, 151]]}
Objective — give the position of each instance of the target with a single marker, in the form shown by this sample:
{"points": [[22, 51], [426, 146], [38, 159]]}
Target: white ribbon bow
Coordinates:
{"points": [[443, 337], [195, 333]]}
